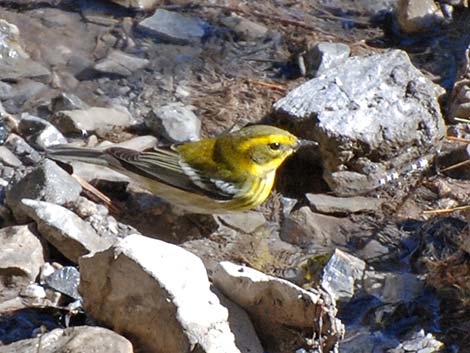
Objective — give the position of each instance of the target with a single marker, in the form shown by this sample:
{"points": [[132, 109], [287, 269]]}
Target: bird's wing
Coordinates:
{"points": [[167, 167]]}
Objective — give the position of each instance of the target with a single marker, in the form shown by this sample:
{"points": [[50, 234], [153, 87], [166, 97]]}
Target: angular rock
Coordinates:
{"points": [[120, 63], [65, 280], [158, 293], [393, 287], [67, 101], [303, 227], [16, 63], [46, 183], [72, 236], [175, 121], [324, 56], [9, 158], [343, 205], [173, 27], [274, 304], [138, 4], [416, 16], [79, 339], [421, 343], [21, 257], [40, 131], [244, 28], [69, 121], [246, 222], [340, 274], [28, 155], [369, 115]]}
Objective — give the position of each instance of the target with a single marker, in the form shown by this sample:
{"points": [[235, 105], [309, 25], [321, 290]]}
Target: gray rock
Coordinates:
{"points": [[69, 121], [21, 257], [420, 343], [392, 287], [175, 121], [369, 115], [174, 28], [67, 232], [67, 101], [416, 16], [274, 304], [138, 4], [246, 222], [143, 283], [5, 90], [340, 274], [373, 250], [138, 143], [120, 63], [303, 227], [244, 28], [65, 280], [40, 131], [9, 158], [27, 154], [343, 205], [77, 339], [16, 63], [325, 55], [48, 183]]}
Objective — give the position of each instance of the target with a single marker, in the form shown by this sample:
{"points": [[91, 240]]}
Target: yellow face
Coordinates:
{"points": [[265, 148]]}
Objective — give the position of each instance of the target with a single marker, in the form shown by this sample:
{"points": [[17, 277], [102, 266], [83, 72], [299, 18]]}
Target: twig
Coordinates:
{"points": [[455, 166], [96, 194], [447, 210], [273, 86]]}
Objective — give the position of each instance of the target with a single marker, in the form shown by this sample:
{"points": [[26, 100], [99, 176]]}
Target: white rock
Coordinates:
{"points": [[274, 304], [72, 236], [21, 255], [78, 339], [158, 293]]}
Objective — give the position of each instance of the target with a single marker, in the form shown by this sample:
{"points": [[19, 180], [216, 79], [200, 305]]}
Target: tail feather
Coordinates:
{"points": [[66, 154]]}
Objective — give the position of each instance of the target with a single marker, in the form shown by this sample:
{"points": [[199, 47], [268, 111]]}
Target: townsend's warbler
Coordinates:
{"points": [[232, 172]]}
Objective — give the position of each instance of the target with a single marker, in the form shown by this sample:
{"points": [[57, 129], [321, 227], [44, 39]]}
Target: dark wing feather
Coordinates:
{"points": [[166, 166]]}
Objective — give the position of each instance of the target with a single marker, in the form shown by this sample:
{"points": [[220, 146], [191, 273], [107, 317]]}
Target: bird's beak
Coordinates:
{"points": [[306, 143]]}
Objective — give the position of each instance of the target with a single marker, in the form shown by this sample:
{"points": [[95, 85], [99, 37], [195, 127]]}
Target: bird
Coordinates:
{"points": [[229, 173]]}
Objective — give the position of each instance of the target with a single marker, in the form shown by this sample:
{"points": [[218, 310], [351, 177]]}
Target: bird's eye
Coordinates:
{"points": [[274, 146]]}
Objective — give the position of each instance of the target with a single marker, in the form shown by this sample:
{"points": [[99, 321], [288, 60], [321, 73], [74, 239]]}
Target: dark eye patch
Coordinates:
{"points": [[275, 146]]}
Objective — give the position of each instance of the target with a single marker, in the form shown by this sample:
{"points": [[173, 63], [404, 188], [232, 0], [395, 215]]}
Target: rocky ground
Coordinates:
{"points": [[362, 247]]}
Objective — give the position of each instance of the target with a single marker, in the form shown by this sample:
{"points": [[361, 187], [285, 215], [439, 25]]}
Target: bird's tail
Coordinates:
{"points": [[62, 153]]}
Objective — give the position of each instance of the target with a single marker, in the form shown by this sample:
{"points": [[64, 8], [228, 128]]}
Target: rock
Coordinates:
{"points": [[48, 183], [416, 16], [21, 257], [21, 93], [79, 339], [175, 121], [16, 63], [138, 4], [8, 158], [325, 55], [40, 131], [340, 274], [374, 249], [419, 342], [174, 28], [246, 222], [67, 101], [393, 287], [34, 291], [369, 115], [343, 205], [275, 304], [143, 283], [69, 121], [244, 28], [27, 154], [65, 280], [72, 236], [118, 63], [303, 227]]}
